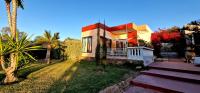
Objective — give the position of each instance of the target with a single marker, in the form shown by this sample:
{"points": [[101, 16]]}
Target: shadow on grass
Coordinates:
{"points": [[60, 85]]}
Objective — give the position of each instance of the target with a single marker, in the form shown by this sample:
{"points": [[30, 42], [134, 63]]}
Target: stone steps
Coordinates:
{"points": [[167, 77], [187, 77], [176, 66], [165, 85]]}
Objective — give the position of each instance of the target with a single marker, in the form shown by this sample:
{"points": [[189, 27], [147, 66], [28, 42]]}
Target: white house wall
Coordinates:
{"points": [[144, 35], [93, 33]]}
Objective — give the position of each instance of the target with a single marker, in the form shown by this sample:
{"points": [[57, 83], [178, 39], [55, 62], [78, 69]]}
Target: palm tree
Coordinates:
{"points": [[49, 41]]}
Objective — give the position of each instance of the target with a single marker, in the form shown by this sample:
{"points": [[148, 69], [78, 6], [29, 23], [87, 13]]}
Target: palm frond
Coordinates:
{"points": [[40, 40], [56, 36], [32, 48], [47, 35], [7, 1], [20, 3], [30, 56]]}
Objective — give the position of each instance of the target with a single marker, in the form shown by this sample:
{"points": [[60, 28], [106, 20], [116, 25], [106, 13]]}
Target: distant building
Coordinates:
{"points": [[118, 37]]}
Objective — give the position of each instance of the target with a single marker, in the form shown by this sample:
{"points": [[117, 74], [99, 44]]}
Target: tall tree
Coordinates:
{"points": [[12, 17], [12, 21], [104, 57], [97, 52], [49, 41]]}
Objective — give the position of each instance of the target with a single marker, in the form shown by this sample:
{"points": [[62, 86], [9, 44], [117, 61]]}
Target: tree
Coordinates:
{"points": [[20, 47], [104, 48], [12, 21], [12, 17], [62, 48], [97, 52], [50, 42]]}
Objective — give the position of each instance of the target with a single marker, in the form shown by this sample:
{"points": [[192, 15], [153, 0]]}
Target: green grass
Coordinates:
{"points": [[68, 77]]}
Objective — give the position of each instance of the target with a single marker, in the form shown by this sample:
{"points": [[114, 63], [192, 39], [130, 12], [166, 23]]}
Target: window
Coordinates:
{"points": [[87, 44]]}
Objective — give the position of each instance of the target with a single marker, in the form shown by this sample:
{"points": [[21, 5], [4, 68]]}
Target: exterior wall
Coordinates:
{"points": [[144, 32], [145, 35], [93, 33], [122, 36]]}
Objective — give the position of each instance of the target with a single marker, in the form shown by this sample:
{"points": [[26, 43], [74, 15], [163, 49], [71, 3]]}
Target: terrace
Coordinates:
{"points": [[132, 53]]}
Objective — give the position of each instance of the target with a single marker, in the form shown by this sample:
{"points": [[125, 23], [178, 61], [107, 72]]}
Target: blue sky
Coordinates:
{"points": [[69, 16]]}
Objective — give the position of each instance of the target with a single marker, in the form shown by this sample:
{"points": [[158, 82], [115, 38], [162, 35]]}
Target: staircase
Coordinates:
{"points": [[167, 77]]}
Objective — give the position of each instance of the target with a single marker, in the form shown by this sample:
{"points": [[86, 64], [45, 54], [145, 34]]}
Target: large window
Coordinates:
{"points": [[87, 44]]}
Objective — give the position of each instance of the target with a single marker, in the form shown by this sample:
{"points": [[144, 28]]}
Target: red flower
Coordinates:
{"points": [[165, 36], [175, 36], [155, 37]]}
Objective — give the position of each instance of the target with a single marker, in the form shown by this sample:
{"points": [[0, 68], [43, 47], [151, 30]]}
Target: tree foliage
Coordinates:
{"points": [[166, 35], [50, 42], [97, 52], [71, 49], [47, 38]]}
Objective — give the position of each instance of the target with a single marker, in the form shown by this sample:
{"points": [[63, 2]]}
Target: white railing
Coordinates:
{"points": [[117, 51], [140, 53]]}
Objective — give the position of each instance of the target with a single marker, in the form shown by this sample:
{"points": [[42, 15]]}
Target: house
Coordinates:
{"points": [[118, 38]]}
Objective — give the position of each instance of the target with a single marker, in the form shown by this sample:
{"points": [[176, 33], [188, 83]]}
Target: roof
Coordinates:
{"points": [[129, 26]]}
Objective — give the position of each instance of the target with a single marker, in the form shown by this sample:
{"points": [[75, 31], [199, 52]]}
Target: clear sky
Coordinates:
{"points": [[69, 16]]}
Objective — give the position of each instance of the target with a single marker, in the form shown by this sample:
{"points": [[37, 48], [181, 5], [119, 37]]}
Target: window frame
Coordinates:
{"points": [[87, 50]]}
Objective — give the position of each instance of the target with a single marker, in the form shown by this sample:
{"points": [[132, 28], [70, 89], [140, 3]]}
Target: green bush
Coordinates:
{"points": [[73, 49]]}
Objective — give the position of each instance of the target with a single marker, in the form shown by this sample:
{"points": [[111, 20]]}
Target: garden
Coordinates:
{"points": [[65, 76], [47, 64]]}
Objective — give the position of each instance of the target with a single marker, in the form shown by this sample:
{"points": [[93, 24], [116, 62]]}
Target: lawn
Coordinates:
{"points": [[67, 77]]}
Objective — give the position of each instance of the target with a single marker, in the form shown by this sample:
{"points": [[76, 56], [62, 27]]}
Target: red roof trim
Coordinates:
{"points": [[100, 25]]}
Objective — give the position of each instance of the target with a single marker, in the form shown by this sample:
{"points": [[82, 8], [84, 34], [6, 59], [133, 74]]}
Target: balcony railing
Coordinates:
{"points": [[141, 53], [132, 53]]}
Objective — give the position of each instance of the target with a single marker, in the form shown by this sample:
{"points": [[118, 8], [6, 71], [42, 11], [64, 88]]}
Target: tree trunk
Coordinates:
{"points": [[14, 18], [2, 63], [48, 54], [9, 15], [10, 76], [9, 72]]}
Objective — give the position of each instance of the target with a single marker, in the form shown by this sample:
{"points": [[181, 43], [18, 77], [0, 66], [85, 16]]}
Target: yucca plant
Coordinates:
{"points": [[19, 48]]}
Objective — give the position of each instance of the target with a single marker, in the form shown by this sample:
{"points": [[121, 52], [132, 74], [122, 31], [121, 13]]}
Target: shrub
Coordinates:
{"points": [[73, 49]]}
